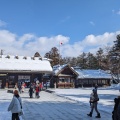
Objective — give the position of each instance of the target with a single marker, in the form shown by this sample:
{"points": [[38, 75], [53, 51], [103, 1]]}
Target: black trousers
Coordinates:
{"points": [[15, 116]]}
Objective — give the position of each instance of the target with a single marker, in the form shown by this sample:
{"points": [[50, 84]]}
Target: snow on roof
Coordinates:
{"points": [[57, 68], [93, 74], [85, 73], [23, 63]]}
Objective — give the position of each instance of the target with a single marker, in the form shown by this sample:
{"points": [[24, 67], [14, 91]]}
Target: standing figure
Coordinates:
{"points": [[55, 85], [46, 85], [31, 91], [116, 109], [41, 87], [15, 106], [15, 86], [19, 87], [118, 112], [23, 87], [94, 105], [37, 90]]}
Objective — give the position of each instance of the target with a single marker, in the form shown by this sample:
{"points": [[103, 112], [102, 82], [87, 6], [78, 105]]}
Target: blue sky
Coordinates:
{"points": [[27, 26]]}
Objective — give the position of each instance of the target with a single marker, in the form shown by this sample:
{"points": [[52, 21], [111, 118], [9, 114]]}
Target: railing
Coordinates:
{"points": [[65, 85]]}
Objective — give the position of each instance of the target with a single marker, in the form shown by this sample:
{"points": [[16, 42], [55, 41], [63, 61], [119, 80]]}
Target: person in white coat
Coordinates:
{"points": [[15, 106]]}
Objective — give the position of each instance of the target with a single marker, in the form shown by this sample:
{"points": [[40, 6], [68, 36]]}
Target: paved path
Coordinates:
{"points": [[52, 107], [48, 107]]}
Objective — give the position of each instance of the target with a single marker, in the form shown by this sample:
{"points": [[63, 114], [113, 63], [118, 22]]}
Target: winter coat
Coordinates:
{"points": [[37, 89], [116, 110], [31, 91], [96, 98], [15, 105]]}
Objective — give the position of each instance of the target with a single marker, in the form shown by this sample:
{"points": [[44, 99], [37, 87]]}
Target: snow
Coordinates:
{"points": [[85, 73], [80, 95], [22, 64], [106, 95], [93, 74]]}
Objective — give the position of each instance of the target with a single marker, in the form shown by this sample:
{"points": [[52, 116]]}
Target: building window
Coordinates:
{"points": [[85, 81], [24, 78], [103, 82], [99, 81], [11, 81], [90, 81], [64, 80]]}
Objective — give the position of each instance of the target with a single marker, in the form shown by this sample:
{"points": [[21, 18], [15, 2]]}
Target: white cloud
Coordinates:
{"points": [[65, 19], [2, 23], [91, 43], [28, 44], [113, 11], [100, 40], [118, 12], [92, 23]]}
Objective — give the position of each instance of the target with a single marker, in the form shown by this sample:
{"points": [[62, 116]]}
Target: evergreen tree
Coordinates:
{"points": [[37, 54], [91, 61], [115, 58], [54, 55], [99, 56]]}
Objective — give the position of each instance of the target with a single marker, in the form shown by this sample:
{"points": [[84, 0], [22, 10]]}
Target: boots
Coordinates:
{"points": [[90, 114], [98, 116]]}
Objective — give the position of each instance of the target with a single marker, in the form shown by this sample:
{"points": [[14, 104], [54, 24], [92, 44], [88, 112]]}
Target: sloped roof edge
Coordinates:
{"points": [[67, 65]]}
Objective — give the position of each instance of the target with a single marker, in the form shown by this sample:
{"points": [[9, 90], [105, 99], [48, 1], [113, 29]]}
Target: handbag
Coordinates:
{"points": [[20, 113]]}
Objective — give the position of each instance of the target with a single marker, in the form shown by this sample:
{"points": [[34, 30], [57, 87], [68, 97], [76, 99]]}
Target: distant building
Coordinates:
{"points": [[14, 69], [88, 78], [65, 77]]}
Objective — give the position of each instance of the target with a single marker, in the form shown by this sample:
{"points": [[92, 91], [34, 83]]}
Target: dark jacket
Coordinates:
{"points": [[31, 91]]}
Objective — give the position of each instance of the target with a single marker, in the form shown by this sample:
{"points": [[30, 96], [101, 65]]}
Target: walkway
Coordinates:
{"points": [[50, 107]]}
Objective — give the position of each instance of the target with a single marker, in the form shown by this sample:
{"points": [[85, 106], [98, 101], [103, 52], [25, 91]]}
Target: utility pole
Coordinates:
{"points": [[1, 53]]}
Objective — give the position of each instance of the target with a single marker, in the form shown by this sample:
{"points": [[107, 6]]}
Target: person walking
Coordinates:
{"points": [[31, 91], [94, 104], [15, 106]]}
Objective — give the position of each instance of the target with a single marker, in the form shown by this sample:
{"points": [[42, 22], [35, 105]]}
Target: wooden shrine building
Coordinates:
{"points": [[14, 69]]}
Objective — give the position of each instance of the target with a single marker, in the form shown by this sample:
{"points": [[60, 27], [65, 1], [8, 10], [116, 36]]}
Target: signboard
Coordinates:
{"points": [[23, 77]]}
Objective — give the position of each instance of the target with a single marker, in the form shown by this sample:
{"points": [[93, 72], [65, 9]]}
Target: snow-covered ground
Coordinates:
{"points": [[80, 95], [106, 96]]}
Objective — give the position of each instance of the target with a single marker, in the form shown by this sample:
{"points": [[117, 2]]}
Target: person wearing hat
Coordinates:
{"points": [[94, 104], [15, 105]]}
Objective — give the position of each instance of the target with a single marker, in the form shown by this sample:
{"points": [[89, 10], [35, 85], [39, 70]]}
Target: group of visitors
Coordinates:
{"points": [[16, 104], [21, 87], [35, 88]]}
